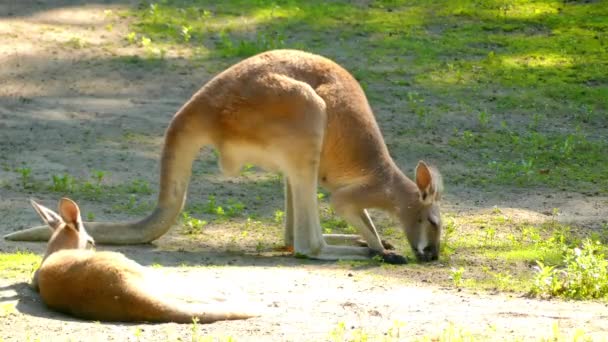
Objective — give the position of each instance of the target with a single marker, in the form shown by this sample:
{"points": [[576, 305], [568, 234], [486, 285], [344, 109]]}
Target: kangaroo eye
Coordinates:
{"points": [[433, 221]]}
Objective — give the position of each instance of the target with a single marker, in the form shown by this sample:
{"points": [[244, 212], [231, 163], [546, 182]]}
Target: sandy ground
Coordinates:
{"points": [[67, 105]]}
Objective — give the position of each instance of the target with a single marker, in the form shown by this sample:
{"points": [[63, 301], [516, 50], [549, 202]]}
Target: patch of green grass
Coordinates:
{"points": [[583, 275], [92, 188], [133, 206], [25, 174], [537, 159], [18, 264], [450, 333], [505, 261], [230, 209]]}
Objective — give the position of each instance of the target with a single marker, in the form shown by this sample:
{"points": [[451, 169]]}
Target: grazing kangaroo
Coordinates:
{"points": [[307, 117], [105, 286]]}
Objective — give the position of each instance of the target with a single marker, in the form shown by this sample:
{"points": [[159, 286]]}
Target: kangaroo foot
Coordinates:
{"points": [[284, 249], [390, 257], [385, 244]]}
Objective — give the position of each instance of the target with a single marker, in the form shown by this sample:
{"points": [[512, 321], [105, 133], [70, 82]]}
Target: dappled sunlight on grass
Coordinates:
{"points": [[537, 60], [19, 265], [529, 254], [504, 9]]}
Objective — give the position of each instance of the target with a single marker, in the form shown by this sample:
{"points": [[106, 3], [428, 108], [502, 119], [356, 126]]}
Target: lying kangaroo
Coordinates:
{"points": [[105, 286], [307, 117]]}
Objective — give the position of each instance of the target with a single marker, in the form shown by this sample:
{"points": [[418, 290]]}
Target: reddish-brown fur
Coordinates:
{"points": [[307, 117], [106, 286]]}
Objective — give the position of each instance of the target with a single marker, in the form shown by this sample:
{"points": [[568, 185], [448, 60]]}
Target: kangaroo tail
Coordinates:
{"points": [[202, 313]]}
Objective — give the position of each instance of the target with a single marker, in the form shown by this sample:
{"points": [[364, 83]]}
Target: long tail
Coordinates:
{"points": [[206, 314], [153, 306], [183, 140]]}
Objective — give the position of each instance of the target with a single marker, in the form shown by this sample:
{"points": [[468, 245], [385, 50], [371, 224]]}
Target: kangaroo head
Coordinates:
{"points": [[422, 222], [68, 230]]}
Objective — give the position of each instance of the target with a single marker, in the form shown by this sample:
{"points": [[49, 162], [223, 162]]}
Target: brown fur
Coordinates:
{"points": [[105, 286], [307, 117]]}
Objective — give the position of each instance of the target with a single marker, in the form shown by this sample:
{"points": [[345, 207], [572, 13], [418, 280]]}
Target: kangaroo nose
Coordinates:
{"points": [[429, 253]]}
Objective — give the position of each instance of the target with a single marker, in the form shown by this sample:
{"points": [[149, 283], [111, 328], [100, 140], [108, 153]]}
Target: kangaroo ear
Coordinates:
{"points": [[424, 179], [70, 212], [429, 183], [47, 215]]}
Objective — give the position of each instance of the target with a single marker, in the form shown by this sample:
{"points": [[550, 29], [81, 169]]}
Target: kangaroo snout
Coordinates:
{"points": [[428, 253]]}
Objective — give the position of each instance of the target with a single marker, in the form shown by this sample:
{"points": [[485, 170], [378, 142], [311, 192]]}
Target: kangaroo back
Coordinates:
{"points": [[106, 286]]}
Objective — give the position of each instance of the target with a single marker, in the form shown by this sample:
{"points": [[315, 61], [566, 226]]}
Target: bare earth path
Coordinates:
{"points": [[69, 102]]}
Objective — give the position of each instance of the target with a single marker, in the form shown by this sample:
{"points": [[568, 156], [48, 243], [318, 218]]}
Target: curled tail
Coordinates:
{"points": [[183, 140]]}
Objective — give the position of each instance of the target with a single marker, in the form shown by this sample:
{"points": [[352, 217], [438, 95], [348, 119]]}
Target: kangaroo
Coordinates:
{"points": [[305, 116], [105, 286]]}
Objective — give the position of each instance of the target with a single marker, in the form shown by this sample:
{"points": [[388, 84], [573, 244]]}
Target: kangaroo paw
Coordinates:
{"points": [[288, 249], [390, 257], [385, 244]]}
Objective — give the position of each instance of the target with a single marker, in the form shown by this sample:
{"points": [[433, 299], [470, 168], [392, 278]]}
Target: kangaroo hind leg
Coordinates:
{"points": [[301, 154]]}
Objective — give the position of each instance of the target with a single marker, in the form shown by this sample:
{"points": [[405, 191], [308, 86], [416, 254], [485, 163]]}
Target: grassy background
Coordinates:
{"points": [[515, 90]]}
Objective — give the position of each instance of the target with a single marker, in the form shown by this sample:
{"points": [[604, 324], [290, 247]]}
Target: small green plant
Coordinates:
{"points": [[456, 276], [449, 230], [247, 169], [63, 184], [25, 174], [338, 333], [484, 119], [503, 280], [279, 216], [132, 37], [259, 247], [211, 205], [139, 186], [137, 332], [332, 223], [192, 225], [490, 235], [76, 43], [195, 330], [98, 176], [234, 208], [186, 32], [395, 330]]}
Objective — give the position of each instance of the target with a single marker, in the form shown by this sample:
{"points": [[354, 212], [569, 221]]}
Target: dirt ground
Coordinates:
{"points": [[66, 105]]}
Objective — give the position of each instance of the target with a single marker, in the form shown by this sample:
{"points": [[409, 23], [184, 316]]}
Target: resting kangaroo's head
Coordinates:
{"points": [[422, 222], [68, 230]]}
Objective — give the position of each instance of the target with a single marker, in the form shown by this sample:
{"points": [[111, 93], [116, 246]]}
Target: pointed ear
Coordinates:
{"points": [[47, 215], [424, 179], [70, 212]]}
